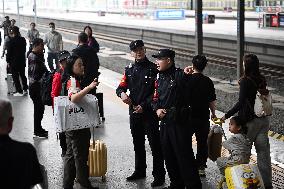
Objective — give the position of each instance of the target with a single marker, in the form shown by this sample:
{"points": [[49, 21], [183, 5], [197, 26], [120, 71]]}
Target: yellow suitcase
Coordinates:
{"points": [[244, 176], [97, 159]]}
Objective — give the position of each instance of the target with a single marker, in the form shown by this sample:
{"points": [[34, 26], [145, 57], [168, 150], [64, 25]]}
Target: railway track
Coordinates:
{"points": [[274, 71]]}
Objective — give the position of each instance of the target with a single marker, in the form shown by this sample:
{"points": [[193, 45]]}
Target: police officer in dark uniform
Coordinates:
{"points": [[139, 79], [171, 106]]}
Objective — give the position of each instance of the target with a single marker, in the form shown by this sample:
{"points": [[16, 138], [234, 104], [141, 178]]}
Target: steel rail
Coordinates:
{"points": [[274, 71]]}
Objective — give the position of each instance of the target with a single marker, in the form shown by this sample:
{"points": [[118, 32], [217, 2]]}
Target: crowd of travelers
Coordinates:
{"points": [[166, 103]]}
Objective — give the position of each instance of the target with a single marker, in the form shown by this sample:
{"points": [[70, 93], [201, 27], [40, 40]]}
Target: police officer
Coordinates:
{"points": [[171, 106], [139, 79]]}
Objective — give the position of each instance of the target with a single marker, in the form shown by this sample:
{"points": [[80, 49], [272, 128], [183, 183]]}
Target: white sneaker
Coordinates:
{"points": [[18, 94], [25, 93]]}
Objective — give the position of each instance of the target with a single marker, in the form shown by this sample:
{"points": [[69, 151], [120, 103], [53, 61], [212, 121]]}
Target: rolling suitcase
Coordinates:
{"points": [[10, 85], [97, 160], [100, 98], [244, 176]]}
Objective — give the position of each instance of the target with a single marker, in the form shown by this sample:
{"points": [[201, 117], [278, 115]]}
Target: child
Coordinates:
{"points": [[238, 145], [59, 89]]}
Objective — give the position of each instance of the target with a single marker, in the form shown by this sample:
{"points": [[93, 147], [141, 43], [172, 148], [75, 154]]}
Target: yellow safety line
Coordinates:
{"points": [[276, 136]]}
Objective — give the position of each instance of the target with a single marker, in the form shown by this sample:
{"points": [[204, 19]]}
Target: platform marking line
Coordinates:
{"points": [[276, 136]]}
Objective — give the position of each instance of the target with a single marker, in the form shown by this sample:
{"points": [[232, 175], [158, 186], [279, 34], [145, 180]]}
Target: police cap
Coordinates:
{"points": [[7, 17], [135, 44], [63, 55], [165, 53]]}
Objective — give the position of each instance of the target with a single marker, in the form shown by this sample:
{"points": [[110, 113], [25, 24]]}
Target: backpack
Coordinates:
{"points": [[263, 105], [46, 88]]}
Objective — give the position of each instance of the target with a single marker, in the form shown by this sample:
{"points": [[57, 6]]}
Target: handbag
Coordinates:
{"points": [[70, 116]]}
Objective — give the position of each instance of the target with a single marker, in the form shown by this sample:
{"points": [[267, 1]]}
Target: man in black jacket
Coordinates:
{"points": [[16, 59], [139, 79], [19, 166], [35, 72], [90, 60]]}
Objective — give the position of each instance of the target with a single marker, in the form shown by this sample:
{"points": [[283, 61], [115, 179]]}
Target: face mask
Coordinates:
{"points": [[52, 29]]}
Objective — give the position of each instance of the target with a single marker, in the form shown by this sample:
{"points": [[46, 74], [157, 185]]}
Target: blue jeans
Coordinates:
{"points": [[50, 57], [258, 134]]}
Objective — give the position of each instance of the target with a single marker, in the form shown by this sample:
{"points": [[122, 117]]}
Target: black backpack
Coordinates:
{"points": [[46, 88]]}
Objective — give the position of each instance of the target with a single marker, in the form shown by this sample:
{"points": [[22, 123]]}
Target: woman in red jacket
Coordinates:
{"points": [[59, 89]]}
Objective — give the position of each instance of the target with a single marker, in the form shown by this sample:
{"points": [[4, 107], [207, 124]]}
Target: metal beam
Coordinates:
{"points": [[18, 13], [35, 11], [198, 27], [240, 37], [3, 8]]}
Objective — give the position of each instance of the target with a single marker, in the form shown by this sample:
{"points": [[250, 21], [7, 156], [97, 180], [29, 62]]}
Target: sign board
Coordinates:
{"points": [[169, 14], [269, 9], [281, 20], [274, 21]]}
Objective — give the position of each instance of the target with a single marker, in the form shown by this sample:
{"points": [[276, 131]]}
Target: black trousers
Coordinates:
{"points": [[62, 139], [201, 130], [76, 158], [34, 91], [179, 156], [141, 125], [16, 73], [50, 57]]}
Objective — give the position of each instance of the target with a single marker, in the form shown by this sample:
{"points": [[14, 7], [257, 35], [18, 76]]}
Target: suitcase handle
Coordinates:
{"points": [[219, 121], [93, 128]]}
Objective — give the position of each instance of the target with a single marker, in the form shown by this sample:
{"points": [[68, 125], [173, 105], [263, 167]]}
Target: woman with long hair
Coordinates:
{"points": [[78, 141], [258, 127], [92, 42]]}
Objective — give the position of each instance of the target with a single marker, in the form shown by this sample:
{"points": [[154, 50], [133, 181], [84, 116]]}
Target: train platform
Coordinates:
{"points": [[116, 134], [222, 27]]}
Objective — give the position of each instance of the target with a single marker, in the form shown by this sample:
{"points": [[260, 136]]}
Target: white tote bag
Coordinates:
{"points": [[70, 116]]}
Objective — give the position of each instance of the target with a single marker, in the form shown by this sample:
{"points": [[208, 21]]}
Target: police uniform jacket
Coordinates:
{"points": [[171, 92], [139, 79]]}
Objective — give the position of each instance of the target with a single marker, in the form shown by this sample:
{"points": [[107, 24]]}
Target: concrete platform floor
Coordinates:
{"points": [[114, 132]]}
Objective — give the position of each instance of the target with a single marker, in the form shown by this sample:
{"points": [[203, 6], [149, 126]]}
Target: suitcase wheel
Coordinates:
{"points": [[104, 178], [103, 118]]}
